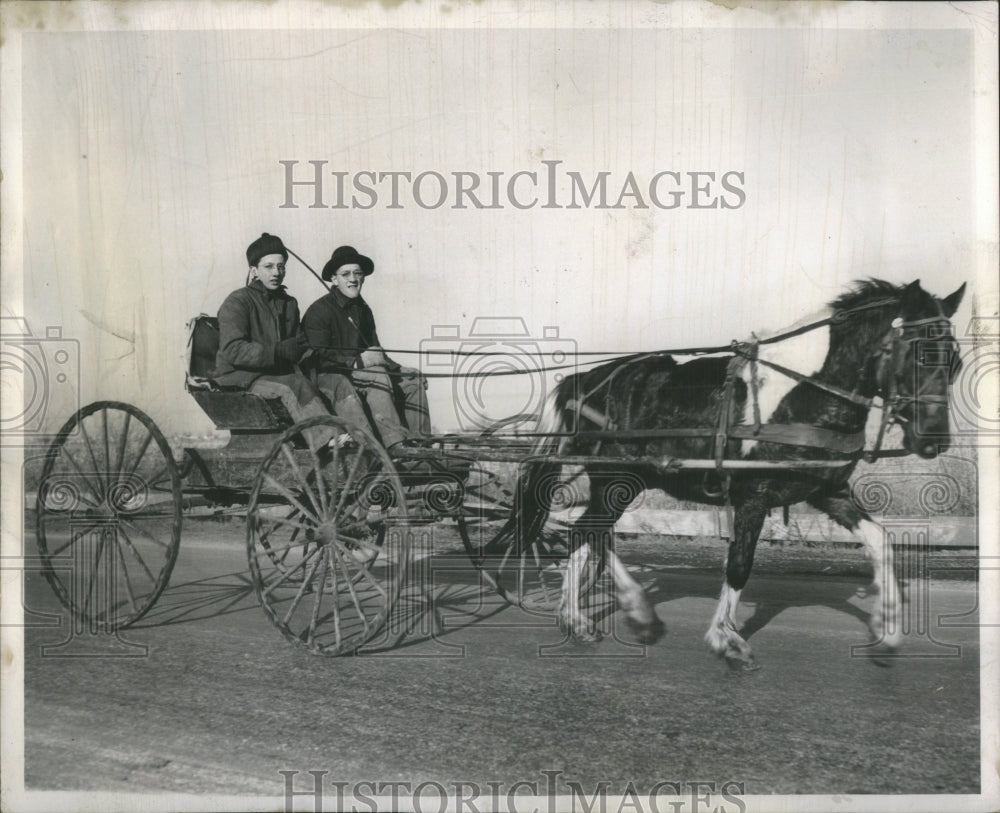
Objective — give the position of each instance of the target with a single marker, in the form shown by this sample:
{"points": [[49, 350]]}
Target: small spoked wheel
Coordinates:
{"points": [[530, 575], [524, 565], [326, 537], [108, 514]]}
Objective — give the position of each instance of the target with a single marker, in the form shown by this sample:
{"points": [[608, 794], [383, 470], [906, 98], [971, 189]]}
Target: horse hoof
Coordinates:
{"points": [[888, 644], [739, 659], [646, 633], [583, 636], [880, 652], [739, 662]]}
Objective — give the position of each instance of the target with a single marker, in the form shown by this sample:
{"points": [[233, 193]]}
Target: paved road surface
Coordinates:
{"points": [[219, 702]]}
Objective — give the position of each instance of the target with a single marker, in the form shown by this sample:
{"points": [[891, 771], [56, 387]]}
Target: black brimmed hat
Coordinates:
{"points": [[264, 245], [344, 255]]}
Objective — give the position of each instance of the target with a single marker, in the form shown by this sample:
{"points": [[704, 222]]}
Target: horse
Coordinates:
{"points": [[745, 405]]}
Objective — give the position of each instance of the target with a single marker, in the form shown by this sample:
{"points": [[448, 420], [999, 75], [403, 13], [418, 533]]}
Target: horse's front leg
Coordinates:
{"points": [[722, 636], [885, 621], [572, 618], [886, 618]]}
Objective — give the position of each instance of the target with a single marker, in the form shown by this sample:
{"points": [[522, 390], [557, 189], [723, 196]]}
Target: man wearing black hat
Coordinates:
{"points": [[348, 355], [260, 339]]}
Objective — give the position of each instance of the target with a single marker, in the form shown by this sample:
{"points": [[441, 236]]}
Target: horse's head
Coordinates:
{"points": [[917, 361]]}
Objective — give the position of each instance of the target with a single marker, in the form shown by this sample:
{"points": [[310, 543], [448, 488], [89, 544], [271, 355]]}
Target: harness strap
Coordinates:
{"points": [[591, 414], [722, 429], [754, 385], [786, 434], [853, 397], [802, 434], [890, 356]]}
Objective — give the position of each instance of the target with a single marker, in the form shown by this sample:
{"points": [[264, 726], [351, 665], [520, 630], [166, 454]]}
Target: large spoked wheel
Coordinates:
{"points": [[524, 566], [326, 537], [108, 514]]}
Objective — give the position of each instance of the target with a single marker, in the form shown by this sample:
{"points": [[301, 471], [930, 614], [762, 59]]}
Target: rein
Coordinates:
{"points": [[749, 352], [889, 359], [628, 357]]}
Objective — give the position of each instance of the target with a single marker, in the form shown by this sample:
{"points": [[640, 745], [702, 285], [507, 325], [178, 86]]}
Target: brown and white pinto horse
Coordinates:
{"points": [[875, 342]]}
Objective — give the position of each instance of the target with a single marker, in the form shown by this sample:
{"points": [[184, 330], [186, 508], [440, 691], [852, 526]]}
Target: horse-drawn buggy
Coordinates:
{"points": [[328, 531]]}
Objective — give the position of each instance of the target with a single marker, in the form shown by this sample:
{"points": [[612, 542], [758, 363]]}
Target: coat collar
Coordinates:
{"points": [[345, 303], [258, 286]]}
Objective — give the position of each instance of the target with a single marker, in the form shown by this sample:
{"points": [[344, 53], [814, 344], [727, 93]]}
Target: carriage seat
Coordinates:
{"points": [[231, 408]]}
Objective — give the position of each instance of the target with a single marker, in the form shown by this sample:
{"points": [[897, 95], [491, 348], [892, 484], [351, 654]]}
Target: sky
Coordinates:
{"points": [[152, 158]]}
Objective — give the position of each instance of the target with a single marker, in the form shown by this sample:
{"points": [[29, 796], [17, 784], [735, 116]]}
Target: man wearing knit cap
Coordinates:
{"points": [[261, 341], [348, 355]]}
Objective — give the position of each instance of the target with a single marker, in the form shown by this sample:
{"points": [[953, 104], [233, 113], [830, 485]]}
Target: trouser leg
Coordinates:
{"points": [[301, 399], [379, 395], [344, 398], [414, 394]]}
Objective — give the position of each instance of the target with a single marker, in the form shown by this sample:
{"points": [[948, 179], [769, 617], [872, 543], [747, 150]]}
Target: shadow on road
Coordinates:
{"points": [[768, 595], [201, 599], [429, 611]]}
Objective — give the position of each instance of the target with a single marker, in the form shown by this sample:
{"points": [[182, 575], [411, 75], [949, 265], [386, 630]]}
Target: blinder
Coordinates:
{"points": [[901, 352]]}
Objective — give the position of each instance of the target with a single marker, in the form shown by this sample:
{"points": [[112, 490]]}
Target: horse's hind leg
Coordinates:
{"points": [[639, 613], [886, 616], [572, 618], [722, 636], [589, 536]]}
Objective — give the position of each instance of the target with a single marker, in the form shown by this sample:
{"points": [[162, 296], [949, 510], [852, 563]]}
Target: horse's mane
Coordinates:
{"points": [[865, 291], [851, 338]]}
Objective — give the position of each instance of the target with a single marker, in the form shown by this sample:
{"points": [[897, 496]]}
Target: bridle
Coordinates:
{"points": [[891, 378]]}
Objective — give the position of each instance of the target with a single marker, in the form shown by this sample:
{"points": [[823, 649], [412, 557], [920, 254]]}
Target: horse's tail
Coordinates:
{"points": [[536, 477]]}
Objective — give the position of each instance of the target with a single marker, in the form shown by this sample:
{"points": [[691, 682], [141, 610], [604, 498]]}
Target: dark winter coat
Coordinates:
{"points": [[252, 321], [338, 329]]}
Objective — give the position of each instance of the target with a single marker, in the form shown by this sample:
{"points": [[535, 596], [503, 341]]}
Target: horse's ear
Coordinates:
{"points": [[951, 302], [911, 299]]}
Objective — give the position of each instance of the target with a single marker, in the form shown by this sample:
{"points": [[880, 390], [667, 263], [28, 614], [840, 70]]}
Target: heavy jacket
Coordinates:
{"points": [[338, 329], [252, 321]]}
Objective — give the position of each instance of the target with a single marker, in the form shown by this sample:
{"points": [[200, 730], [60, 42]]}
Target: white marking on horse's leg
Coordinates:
{"points": [[722, 637], [718, 630], [639, 613], [630, 593], [571, 617], [886, 615]]}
